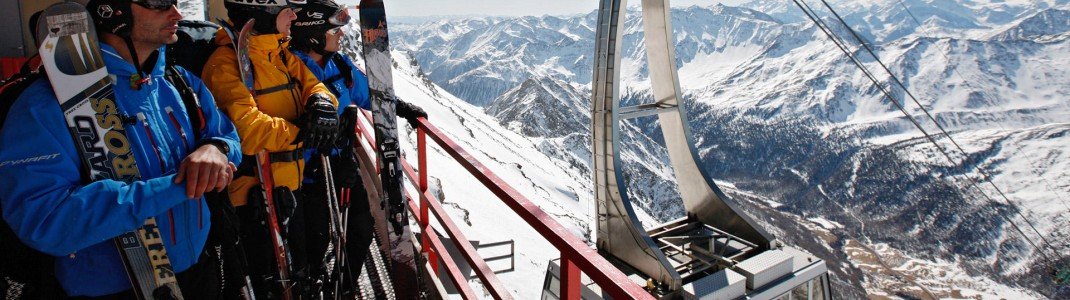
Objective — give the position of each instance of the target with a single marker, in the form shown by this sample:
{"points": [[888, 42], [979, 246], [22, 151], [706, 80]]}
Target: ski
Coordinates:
{"points": [[378, 63], [72, 60], [263, 168]]}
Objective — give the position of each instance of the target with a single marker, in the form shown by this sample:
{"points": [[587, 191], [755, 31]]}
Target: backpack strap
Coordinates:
{"points": [[345, 70], [278, 88], [189, 99]]}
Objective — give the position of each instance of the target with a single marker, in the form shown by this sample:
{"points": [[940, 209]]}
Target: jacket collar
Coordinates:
{"points": [[258, 43], [268, 42], [122, 68]]}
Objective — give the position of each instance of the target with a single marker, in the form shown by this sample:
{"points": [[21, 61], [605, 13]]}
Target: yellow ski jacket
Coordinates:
{"points": [[264, 121]]}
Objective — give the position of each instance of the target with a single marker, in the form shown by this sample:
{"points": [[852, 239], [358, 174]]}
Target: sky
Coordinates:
{"points": [[508, 7]]}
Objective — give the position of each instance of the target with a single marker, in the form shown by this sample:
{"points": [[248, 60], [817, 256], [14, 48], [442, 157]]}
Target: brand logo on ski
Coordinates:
{"points": [[87, 137], [258, 2], [122, 162], [150, 234]]}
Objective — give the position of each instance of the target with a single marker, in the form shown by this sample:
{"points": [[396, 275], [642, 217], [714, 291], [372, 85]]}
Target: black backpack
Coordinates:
{"points": [[11, 88], [196, 42]]}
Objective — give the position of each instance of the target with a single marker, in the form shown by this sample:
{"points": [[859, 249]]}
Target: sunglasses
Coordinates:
{"points": [[156, 4]]}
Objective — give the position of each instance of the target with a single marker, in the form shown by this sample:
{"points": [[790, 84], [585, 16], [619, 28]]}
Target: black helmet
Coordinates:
{"points": [[263, 11], [314, 19], [114, 16]]}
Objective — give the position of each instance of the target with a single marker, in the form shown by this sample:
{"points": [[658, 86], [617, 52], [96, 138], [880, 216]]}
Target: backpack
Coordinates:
{"points": [[196, 42], [11, 88]]}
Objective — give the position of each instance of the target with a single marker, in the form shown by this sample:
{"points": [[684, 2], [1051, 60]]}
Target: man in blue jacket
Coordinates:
{"points": [[317, 36], [51, 208]]}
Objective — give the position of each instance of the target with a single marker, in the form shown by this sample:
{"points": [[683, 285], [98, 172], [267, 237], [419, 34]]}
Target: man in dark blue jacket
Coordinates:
{"points": [[51, 208]]}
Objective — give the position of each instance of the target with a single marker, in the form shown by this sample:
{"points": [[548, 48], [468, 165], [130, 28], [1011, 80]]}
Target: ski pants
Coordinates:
{"points": [[200, 281], [259, 251]]}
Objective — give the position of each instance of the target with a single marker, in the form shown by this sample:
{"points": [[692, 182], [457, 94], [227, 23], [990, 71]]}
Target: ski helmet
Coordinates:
{"points": [[263, 11], [114, 16], [314, 19]]}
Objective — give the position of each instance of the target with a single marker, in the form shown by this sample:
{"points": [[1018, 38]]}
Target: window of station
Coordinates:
{"points": [[811, 290]]}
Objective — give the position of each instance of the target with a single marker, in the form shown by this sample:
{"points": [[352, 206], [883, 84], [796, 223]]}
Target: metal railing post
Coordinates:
{"points": [[425, 224], [570, 279]]}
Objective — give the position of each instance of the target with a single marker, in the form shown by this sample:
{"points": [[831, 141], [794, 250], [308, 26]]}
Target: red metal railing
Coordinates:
{"points": [[576, 256]]}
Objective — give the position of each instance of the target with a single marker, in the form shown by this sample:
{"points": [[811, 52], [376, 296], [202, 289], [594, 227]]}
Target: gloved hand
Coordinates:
{"points": [[347, 134], [319, 124], [346, 169], [410, 112]]}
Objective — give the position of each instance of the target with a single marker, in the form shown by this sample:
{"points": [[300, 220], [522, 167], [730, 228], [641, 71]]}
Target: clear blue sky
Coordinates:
{"points": [[507, 7]]}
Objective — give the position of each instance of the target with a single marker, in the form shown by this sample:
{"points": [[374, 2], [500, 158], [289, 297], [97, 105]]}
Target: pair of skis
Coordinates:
{"points": [[71, 56], [378, 64]]}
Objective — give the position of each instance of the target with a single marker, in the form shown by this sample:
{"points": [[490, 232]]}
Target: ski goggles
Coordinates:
{"points": [[275, 10], [340, 18], [156, 4]]}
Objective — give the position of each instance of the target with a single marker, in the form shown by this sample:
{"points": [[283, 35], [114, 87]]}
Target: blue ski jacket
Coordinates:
{"points": [[356, 94], [52, 209]]}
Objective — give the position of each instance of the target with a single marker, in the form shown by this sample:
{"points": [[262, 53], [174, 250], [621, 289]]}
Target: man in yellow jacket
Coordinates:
{"points": [[288, 111]]}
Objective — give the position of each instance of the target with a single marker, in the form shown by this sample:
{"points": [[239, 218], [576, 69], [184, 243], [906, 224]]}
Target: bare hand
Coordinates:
{"points": [[206, 169]]}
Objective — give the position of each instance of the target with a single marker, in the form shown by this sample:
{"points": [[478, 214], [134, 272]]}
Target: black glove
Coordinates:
{"points": [[347, 134], [346, 169], [410, 112], [345, 165], [319, 124]]}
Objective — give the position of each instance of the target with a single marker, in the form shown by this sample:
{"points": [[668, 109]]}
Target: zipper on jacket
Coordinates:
{"points": [[159, 158], [185, 144]]}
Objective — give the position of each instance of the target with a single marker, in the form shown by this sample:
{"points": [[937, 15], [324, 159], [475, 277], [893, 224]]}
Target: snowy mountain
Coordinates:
{"points": [[191, 10], [788, 127]]}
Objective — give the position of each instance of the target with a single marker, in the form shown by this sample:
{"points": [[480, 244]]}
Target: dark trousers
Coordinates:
{"points": [[359, 230], [259, 250], [200, 281]]}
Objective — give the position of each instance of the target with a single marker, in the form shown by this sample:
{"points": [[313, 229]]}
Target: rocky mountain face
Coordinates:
{"points": [[797, 135]]}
